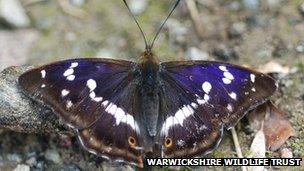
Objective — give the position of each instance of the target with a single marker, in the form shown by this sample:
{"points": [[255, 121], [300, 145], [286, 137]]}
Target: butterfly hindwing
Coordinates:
{"points": [[199, 98], [187, 130], [93, 97]]}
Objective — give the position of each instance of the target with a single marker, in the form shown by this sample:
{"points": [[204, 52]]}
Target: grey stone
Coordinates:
{"points": [[32, 161], [15, 46], [53, 155], [237, 29], [22, 167], [301, 9], [69, 167], [13, 13], [225, 53], [1, 161], [251, 4], [194, 53], [138, 7], [177, 31], [14, 157], [300, 47]]}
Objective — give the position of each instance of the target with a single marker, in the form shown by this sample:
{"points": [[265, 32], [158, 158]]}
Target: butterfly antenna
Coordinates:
{"points": [[162, 25], [142, 32]]}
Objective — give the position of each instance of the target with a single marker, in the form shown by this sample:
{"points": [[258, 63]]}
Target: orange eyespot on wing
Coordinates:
{"points": [[132, 141], [168, 142]]}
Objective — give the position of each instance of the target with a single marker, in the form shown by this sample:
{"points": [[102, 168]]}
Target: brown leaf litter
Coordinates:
{"points": [[276, 126]]}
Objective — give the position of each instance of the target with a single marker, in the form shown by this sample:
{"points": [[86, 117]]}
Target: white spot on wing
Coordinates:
{"points": [[206, 87], [253, 89], [68, 72], [181, 143], [129, 119], [120, 115], [200, 101], [229, 107], [226, 80], [194, 105], [71, 77], [74, 64], [188, 110], [69, 104], [105, 103], [178, 118], [170, 121], [223, 68], [232, 95], [91, 84], [111, 108], [98, 99], [203, 127], [43, 73], [93, 97], [252, 78], [43, 85], [206, 97], [64, 92], [228, 75]]}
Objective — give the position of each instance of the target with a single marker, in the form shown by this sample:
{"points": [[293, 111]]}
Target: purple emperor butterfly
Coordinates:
{"points": [[123, 110]]}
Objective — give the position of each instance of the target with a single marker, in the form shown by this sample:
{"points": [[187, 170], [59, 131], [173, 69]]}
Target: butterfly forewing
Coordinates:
{"points": [[92, 96], [199, 98]]}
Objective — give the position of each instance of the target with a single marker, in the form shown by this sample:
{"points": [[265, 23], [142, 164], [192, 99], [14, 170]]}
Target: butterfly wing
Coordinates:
{"points": [[199, 98], [93, 97]]}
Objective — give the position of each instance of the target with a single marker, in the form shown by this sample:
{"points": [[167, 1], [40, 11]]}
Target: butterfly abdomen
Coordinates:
{"points": [[149, 93]]}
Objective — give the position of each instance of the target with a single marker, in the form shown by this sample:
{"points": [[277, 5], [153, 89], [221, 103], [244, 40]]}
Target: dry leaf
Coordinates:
{"points": [[258, 149], [258, 146], [273, 67], [277, 128]]}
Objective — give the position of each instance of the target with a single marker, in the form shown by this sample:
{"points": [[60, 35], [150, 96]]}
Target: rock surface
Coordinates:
{"points": [[18, 112]]}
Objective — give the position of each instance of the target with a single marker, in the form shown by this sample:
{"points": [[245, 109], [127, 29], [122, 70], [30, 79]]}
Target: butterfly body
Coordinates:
{"points": [[149, 97]]}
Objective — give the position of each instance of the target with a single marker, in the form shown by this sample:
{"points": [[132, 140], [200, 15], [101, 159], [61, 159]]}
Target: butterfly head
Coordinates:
{"points": [[148, 57]]}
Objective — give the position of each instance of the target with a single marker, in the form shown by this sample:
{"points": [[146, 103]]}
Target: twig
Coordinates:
{"points": [[237, 146], [18, 112], [199, 28]]}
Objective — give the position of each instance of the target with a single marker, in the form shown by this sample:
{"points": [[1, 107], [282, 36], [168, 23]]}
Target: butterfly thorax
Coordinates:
{"points": [[149, 71], [149, 93], [149, 68]]}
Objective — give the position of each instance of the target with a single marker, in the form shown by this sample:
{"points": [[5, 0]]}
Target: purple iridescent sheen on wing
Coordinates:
{"points": [[200, 97]]}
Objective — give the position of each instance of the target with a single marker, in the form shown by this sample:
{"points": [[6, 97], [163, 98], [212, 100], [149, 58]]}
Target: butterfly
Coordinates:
{"points": [[123, 110]]}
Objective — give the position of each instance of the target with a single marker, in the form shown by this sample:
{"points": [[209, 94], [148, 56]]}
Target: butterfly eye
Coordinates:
{"points": [[132, 141], [168, 142]]}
